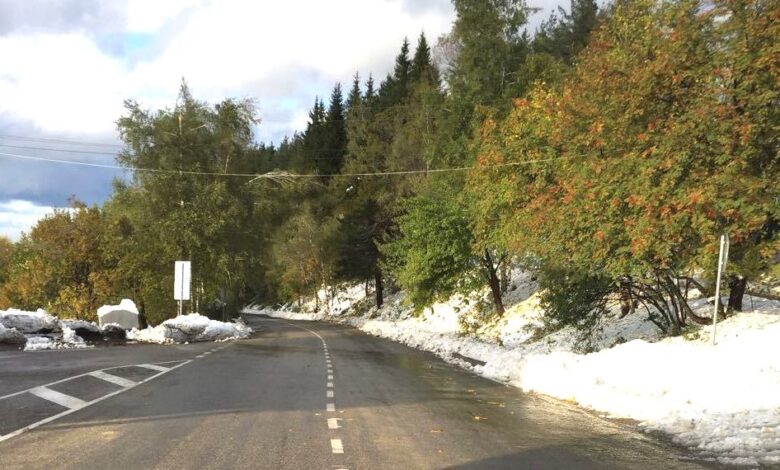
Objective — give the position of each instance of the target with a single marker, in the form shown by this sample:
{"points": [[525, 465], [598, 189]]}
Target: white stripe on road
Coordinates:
{"points": [[330, 385], [12, 434], [330, 377], [153, 367], [333, 423], [59, 398], [336, 446], [121, 381], [331, 408], [329, 394], [200, 356]]}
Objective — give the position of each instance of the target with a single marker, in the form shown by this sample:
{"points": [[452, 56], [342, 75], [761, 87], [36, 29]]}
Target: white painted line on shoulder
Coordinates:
{"points": [[331, 408], [333, 423], [329, 394], [59, 398], [116, 380], [153, 367], [336, 446], [37, 424]]}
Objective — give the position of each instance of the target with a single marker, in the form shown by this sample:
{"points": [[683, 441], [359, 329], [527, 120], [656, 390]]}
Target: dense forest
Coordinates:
{"points": [[606, 152]]}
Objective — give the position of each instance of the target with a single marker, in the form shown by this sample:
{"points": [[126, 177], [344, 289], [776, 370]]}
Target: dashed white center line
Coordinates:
{"points": [[336, 446], [200, 356], [330, 377], [329, 394], [330, 385], [121, 381], [153, 367], [333, 423], [207, 353], [330, 408], [59, 398]]}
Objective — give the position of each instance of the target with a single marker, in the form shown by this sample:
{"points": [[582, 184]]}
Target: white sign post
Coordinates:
{"points": [[181, 282], [722, 259]]}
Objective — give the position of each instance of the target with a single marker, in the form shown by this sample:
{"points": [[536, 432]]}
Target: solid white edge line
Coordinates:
{"points": [[114, 379], [336, 446], [331, 408], [59, 398], [104, 397]]}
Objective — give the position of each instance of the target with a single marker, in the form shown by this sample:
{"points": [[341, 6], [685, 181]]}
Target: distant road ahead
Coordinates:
{"points": [[297, 395]]}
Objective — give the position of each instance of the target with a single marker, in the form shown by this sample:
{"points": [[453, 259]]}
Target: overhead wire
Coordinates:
{"points": [[277, 175]]}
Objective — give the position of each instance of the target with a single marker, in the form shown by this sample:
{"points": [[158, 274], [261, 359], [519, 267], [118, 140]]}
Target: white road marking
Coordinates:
{"points": [[153, 367], [5, 437], [59, 398], [333, 423], [336, 446], [207, 353], [330, 377], [200, 356], [330, 384], [121, 381], [331, 408], [329, 394]]}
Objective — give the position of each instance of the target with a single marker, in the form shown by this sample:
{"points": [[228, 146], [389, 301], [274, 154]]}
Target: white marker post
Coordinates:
{"points": [[181, 282], [722, 259]]}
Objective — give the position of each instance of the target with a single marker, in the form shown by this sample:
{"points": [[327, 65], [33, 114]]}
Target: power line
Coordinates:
{"points": [[280, 175], [61, 141], [91, 152]]}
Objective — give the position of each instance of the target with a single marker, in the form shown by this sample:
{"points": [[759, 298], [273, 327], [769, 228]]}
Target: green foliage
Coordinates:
{"points": [[432, 257], [573, 298]]}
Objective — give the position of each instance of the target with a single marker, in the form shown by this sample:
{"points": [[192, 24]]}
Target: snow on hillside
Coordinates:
{"points": [[723, 400]]}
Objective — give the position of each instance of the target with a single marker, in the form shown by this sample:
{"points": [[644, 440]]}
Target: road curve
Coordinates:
{"points": [[303, 395]]}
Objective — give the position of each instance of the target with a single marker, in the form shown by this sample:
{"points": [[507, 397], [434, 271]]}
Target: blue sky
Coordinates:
{"points": [[68, 65]]}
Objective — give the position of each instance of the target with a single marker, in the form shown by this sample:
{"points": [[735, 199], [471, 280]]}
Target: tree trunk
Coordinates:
{"points": [[380, 300], [494, 281], [737, 287]]}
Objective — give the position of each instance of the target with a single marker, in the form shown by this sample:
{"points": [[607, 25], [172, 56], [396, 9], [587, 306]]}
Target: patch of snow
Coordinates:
{"points": [[29, 322], [11, 335], [69, 340], [189, 328]]}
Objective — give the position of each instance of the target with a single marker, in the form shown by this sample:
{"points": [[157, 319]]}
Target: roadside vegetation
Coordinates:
{"points": [[605, 154]]}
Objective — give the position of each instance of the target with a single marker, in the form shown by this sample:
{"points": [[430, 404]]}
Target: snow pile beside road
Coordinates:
{"points": [[29, 322], [69, 340], [190, 328], [11, 335], [723, 400]]}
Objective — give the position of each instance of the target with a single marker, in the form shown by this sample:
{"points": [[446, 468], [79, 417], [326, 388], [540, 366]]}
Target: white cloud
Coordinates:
{"points": [[18, 216], [66, 83]]}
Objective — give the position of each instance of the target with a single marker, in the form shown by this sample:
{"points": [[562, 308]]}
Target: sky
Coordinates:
{"points": [[68, 65]]}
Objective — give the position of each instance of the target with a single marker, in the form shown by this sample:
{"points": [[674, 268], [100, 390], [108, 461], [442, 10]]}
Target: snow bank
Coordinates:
{"points": [[69, 340], [11, 335], [29, 322], [723, 401], [189, 328]]}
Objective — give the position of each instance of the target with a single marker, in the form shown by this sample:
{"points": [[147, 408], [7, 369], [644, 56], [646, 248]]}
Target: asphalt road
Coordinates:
{"points": [[297, 395]]}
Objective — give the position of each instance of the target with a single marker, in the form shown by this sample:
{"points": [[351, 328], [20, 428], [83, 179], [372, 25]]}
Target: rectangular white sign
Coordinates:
{"points": [[182, 280]]}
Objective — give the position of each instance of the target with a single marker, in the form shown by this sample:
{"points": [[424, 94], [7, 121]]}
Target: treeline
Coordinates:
{"points": [[607, 152]]}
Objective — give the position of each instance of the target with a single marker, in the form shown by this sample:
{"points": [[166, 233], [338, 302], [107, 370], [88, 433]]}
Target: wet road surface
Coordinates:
{"points": [[295, 395]]}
